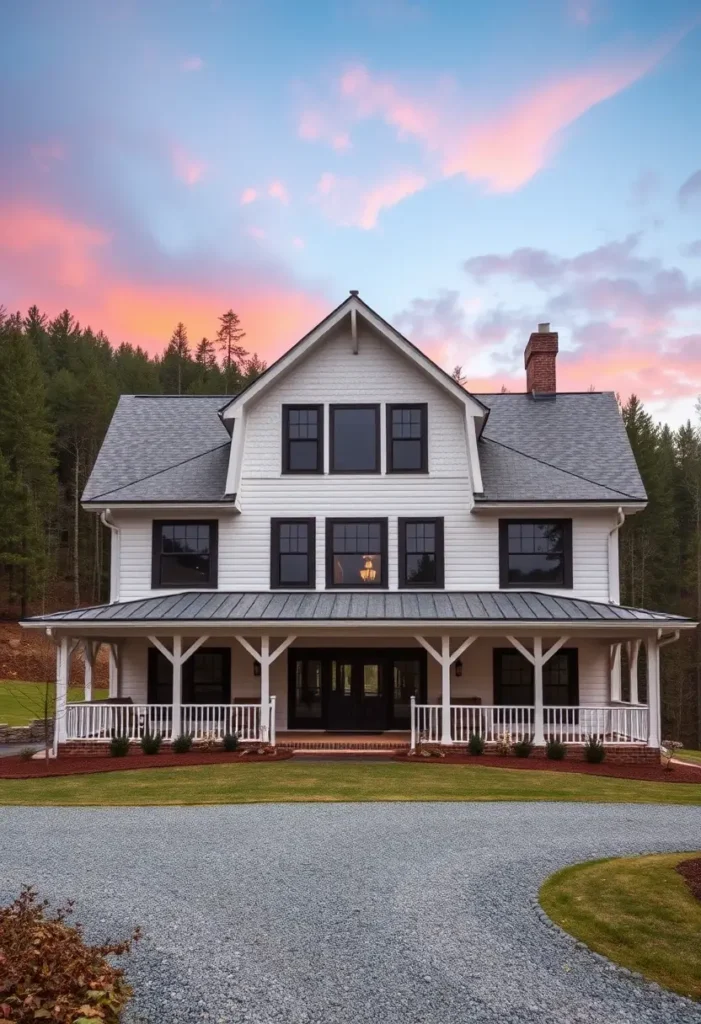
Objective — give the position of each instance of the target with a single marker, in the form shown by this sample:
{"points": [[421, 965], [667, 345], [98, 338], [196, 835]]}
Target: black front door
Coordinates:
{"points": [[354, 690]]}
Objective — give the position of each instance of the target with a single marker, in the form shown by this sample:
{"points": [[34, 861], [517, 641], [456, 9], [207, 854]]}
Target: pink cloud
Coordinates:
{"points": [[277, 190], [257, 233], [346, 201], [311, 125], [192, 64], [298, 243], [326, 184], [341, 141], [186, 168], [51, 259], [690, 190], [249, 195], [386, 195], [370, 96], [507, 149]]}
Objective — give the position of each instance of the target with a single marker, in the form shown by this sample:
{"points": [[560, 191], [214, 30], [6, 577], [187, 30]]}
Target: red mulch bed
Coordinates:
{"points": [[641, 772], [690, 870], [16, 768]]}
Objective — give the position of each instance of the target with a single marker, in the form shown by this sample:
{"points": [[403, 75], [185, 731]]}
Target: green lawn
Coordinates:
{"points": [[689, 755], [21, 702], [294, 781], [637, 911]]}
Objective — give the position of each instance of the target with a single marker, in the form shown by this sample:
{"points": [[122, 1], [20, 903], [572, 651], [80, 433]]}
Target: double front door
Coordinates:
{"points": [[356, 690]]}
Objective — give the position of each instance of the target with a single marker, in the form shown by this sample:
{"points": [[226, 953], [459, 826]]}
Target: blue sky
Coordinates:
{"points": [[472, 169]]}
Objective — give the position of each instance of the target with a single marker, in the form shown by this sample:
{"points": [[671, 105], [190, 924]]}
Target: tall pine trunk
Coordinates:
{"points": [[76, 528]]}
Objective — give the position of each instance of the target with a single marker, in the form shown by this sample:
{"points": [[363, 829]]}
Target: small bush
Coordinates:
{"points": [[231, 742], [475, 744], [182, 744], [555, 750], [667, 752], [27, 753], [49, 972], [524, 748], [119, 746], [151, 744], [504, 744], [594, 750]]}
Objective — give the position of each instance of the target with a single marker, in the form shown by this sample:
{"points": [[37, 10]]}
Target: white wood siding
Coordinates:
{"points": [[333, 374]]}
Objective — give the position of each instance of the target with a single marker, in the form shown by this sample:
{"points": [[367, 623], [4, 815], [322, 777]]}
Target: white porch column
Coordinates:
{"points": [[176, 712], [539, 728], [653, 691], [615, 672], [446, 738], [633, 651], [63, 662], [90, 649], [265, 658], [115, 670]]}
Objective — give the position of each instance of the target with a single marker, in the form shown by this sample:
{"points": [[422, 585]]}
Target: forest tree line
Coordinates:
{"points": [[59, 385]]}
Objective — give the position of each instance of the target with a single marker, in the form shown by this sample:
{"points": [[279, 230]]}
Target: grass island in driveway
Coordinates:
{"points": [[297, 781]]}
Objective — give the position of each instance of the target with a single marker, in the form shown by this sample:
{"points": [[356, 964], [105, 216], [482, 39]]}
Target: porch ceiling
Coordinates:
{"points": [[488, 610]]}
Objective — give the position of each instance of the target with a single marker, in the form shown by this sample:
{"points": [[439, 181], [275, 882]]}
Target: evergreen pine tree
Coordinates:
{"points": [[229, 335]]}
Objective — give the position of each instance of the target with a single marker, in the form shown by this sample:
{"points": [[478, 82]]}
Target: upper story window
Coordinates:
{"points": [[407, 438], [421, 553], [303, 439], [535, 552], [355, 438], [356, 553], [292, 553], [184, 554]]}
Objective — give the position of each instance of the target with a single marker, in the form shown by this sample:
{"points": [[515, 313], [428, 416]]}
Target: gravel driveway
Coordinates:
{"points": [[412, 913]]}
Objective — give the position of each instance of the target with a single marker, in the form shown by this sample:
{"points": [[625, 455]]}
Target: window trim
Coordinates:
{"points": [[572, 655], [504, 582], [423, 409], [383, 582], [438, 522], [275, 523], [332, 439], [319, 409], [156, 537]]}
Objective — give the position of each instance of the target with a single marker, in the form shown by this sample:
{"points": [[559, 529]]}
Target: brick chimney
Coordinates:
{"points": [[540, 356]]}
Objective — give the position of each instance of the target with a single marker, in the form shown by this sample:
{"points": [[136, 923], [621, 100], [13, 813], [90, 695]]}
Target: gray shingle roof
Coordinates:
{"points": [[162, 448], [572, 447], [257, 606]]}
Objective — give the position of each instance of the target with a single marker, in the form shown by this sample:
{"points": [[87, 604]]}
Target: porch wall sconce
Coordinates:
{"points": [[458, 668], [256, 667]]}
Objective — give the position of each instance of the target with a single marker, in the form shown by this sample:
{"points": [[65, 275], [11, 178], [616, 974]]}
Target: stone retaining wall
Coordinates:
{"points": [[26, 734]]}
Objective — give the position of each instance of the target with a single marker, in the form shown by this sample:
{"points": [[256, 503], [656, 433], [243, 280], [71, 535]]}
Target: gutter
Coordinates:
{"points": [[115, 553], [613, 563]]}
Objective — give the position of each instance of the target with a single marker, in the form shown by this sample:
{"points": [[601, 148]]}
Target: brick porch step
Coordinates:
{"points": [[352, 744]]}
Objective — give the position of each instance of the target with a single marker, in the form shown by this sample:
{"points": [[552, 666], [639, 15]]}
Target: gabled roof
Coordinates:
{"points": [[162, 448], [266, 607], [570, 447], [350, 308]]}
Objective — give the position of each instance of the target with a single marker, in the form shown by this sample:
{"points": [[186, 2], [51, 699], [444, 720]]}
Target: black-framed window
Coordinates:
{"points": [[184, 554], [407, 438], [292, 553], [535, 552], [356, 553], [354, 438], [514, 685], [421, 553], [303, 439], [206, 677]]}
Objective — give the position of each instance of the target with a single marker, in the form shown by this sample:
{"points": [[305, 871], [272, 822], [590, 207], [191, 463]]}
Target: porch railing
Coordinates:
{"points": [[101, 722], [611, 725]]}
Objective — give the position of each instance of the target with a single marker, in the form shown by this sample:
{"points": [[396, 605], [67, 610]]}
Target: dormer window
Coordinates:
{"points": [[355, 438], [407, 438], [535, 552], [303, 439], [184, 555]]}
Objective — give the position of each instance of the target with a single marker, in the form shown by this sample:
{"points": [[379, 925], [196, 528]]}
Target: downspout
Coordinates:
{"points": [[114, 553], [613, 564]]}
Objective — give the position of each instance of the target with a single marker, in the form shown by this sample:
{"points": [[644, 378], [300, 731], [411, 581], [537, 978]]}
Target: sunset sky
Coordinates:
{"points": [[471, 168]]}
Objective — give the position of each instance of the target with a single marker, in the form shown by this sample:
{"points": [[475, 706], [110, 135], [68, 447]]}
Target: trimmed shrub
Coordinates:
{"points": [[151, 743], [49, 972], [594, 750], [555, 751], [504, 744], [231, 742], [182, 744], [524, 748], [119, 746], [475, 744]]}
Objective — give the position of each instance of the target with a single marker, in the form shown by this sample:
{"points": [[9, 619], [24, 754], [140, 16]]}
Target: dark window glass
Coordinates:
{"points": [[407, 439], [355, 439], [421, 552], [292, 548], [515, 679], [303, 429], [357, 553], [308, 688], [184, 555], [536, 553], [406, 684]]}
